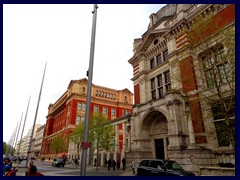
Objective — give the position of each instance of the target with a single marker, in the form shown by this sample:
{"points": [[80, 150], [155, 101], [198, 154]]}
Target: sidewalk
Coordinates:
{"points": [[128, 172]]}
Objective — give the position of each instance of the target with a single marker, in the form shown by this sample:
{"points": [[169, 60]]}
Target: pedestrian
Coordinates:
{"points": [[118, 165], [76, 162], [106, 162], [114, 164], [7, 168], [124, 163], [95, 161], [28, 170], [33, 171], [109, 162], [133, 166]]}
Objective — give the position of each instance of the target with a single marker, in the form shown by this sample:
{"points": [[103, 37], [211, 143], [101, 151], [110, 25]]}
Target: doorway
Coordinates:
{"points": [[159, 149]]}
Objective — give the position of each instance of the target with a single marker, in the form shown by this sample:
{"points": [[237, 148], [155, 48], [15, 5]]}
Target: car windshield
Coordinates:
{"points": [[173, 165]]}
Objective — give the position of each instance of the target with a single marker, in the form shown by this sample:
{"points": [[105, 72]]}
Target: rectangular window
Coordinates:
{"points": [[152, 63], [113, 112], [83, 118], [96, 108], [79, 107], [153, 88], [167, 81], [123, 112], [84, 107], [165, 55], [216, 67], [159, 59], [69, 107], [78, 120], [105, 110], [221, 125], [160, 86]]}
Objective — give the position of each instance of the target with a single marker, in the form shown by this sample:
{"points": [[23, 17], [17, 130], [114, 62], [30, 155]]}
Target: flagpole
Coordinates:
{"points": [[89, 90], [17, 138], [23, 126], [35, 116]]}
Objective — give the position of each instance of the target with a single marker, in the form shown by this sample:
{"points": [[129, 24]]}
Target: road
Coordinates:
{"points": [[69, 170]]}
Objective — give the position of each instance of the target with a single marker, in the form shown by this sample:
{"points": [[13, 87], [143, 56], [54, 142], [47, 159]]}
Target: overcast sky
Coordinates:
{"points": [[60, 35]]}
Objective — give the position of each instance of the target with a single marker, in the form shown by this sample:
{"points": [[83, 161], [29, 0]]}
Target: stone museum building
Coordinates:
{"points": [[184, 87]]}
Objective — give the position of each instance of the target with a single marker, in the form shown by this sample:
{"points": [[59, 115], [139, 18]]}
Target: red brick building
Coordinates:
{"points": [[69, 110]]}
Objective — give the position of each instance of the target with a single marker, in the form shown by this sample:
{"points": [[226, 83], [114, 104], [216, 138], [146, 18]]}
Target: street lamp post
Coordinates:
{"points": [[89, 88]]}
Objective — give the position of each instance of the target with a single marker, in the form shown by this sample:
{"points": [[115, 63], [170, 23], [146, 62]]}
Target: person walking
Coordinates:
{"points": [[76, 163], [106, 162], [95, 161], [124, 163], [118, 165], [109, 162], [114, 164], [133, 166]]}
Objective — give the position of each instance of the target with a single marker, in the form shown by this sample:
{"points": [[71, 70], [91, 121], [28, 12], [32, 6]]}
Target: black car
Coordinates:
{"points": [[58, 162], [158, 167]]}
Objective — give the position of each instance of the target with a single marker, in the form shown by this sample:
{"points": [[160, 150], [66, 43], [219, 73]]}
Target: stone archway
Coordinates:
{"points": [[155, 128]]}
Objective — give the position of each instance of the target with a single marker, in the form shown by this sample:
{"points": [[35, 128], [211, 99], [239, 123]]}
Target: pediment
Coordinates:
{"points": [[150, 37]]}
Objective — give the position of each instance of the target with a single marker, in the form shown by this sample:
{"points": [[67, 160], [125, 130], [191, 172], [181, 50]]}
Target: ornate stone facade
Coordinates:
{"points": [[168, 119]]}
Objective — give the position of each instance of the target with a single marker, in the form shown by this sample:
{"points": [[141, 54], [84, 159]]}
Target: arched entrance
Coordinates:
{"points": [[156, 124]]}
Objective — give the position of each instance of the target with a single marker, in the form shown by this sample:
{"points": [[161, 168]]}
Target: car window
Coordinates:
{"points": [[143, 163], [156, 164], [160, 165], [173, 165]]}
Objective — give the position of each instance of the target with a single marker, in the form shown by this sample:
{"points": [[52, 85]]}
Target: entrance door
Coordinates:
{"points": [[159, 149]]}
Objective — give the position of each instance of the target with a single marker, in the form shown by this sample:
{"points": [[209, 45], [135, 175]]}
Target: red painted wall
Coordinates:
{"points": [[137, 94], [188, 74]]}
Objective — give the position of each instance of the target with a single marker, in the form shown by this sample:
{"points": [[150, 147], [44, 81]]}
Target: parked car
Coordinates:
{"points": [[58, 162], [158, 167]]}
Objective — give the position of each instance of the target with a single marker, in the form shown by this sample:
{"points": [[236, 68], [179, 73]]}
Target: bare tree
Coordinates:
{"points": [[212, 46]]}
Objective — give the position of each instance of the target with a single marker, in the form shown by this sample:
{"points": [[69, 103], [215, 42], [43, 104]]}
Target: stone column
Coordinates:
{"points": [[191, 131], [124, 140], [116, 150]]}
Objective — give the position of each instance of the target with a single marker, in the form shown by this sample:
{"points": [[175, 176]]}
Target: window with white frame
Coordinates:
{"points": [[69, 107], [105, 110], [79, 107], [78, 120], [96, 108], [84, 107], [113, 112]]}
